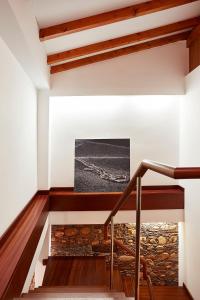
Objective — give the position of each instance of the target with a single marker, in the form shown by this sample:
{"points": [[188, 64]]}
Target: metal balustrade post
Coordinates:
{"points": [[111, 252], [138, 227]]}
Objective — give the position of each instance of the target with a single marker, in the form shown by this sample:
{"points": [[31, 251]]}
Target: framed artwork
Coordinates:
{"points": [[102, 165]]}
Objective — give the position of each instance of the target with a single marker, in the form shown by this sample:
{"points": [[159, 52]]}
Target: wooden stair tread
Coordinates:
{"points": [[160, 292], [75, 271], [70, 289], [117, 279], [80, 295]]}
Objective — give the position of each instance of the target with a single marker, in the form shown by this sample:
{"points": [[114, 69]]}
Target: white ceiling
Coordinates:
{"points": [[51, 12]]}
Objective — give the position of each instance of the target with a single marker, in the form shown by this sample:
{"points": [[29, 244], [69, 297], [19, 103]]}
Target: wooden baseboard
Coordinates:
{"points": [[187, 292]]}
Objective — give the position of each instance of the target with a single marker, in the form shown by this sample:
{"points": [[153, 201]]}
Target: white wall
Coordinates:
{"points": [[181, 251], [123, 216], [151, 122], [158, 71], [19, 29], [43, 139], [18, 150], [42, 251], [190, 156], [44, 254]]}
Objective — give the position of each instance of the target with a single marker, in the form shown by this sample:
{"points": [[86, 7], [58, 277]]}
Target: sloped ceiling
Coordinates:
{"points": [[51, 12]]}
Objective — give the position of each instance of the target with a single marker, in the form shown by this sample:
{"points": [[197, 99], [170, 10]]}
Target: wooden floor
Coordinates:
{"points": [[92, 272], [165, 293], [160, 292]]}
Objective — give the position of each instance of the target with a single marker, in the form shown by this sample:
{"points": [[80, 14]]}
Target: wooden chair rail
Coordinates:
{"points": [[169, 171]]}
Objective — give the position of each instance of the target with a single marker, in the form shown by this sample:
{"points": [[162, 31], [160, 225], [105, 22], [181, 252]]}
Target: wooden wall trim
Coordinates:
{"points": [[18, 245], [145, 187], [187, 292], [154, 198], [10, 229]]}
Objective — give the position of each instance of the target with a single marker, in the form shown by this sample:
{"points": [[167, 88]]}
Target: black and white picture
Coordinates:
{"points": [[102, 165]]}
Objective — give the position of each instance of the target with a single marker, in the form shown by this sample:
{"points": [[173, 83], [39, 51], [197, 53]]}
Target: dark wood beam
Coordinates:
{"points": [[109, 17], [119, 52], [195, 34], [123, 41], [193, 43]]}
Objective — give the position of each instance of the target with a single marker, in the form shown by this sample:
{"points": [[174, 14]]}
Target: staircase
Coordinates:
{"points": [[81, 293], [75, 278], [78, 278]]}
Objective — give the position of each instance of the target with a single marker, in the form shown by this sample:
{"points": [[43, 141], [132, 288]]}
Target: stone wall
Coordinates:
{"points": [[159, 246]]}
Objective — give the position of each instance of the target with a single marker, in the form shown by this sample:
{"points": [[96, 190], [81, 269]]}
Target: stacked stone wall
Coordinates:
{"points": [[159, 246]]}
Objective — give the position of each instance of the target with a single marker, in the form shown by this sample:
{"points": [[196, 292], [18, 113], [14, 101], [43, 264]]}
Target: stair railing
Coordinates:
{"points": [[169, 171]]}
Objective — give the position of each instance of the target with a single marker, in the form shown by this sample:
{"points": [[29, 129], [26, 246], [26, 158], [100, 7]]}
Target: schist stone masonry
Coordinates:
{"points": [[159, 246]]}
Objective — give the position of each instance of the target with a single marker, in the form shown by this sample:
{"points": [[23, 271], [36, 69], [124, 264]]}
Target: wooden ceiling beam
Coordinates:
{"points": [[195, 34], [193, 43], [120, 52], [123, 41], [109, 17]]}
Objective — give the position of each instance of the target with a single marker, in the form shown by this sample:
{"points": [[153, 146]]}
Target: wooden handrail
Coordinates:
{"points": [[169, 171]]}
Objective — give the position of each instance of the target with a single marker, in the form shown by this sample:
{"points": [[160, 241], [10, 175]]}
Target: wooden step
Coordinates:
{"points": [[103, 295], [76, 271], [160, 292], [117, 279], [165, 293], [70, 289]]}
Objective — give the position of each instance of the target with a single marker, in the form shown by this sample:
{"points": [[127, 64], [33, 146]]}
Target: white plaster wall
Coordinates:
{"points": [[190, 156], [18, 142], [45, 252], [157, 71], [151, 122], [41, 252], [19, 30], [181, 251], [99, 217], [43, 139]]}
